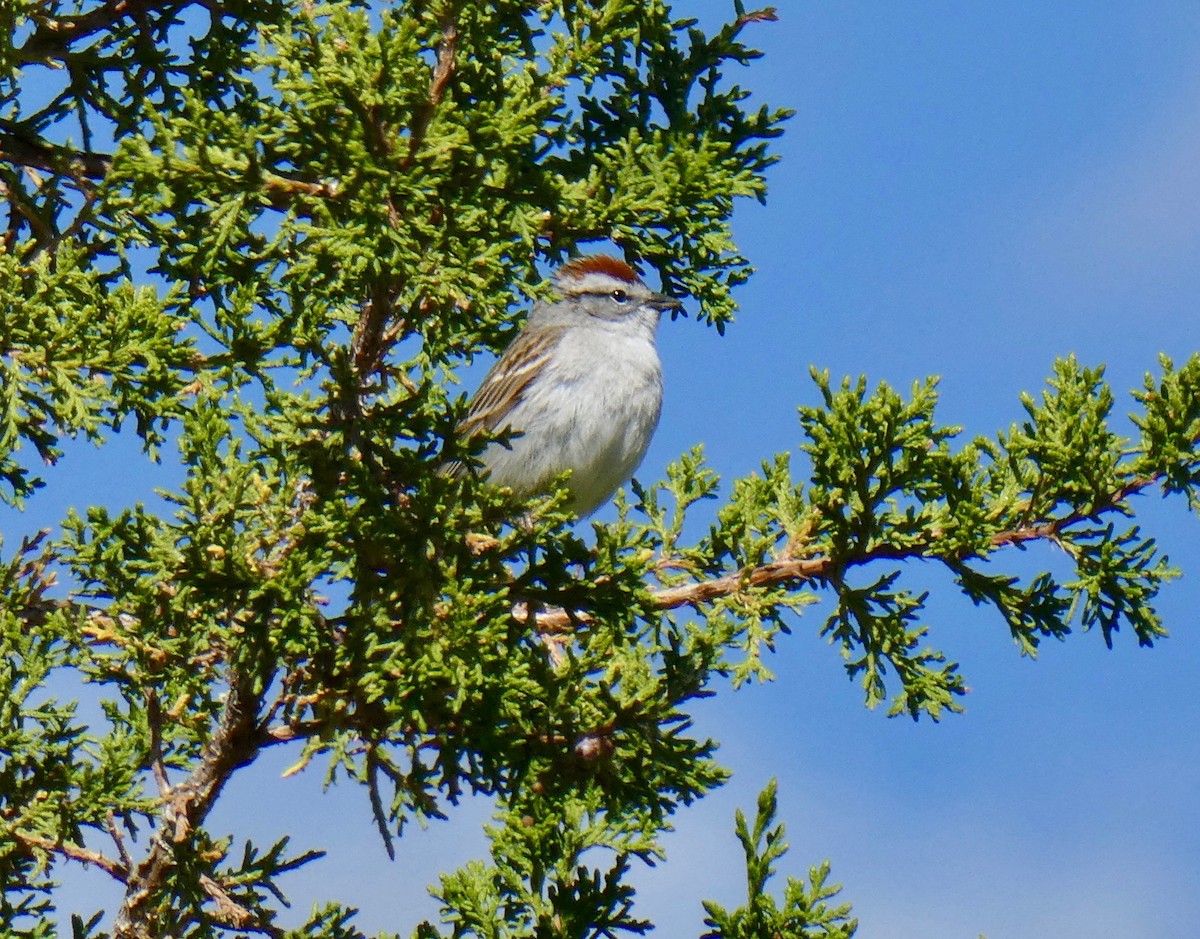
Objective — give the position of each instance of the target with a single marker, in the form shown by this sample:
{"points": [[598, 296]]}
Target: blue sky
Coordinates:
{"points": [[968, 191]]}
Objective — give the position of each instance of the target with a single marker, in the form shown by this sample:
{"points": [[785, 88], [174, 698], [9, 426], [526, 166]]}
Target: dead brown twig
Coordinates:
{"points": [[114, 869], [229, 912]]}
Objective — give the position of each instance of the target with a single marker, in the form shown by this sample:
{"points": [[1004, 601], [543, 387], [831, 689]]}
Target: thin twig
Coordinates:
{"points": [[154, 722], [766, 15], [282, 190], [374, 765], [21, 208], [114, 869], [53, 37], [110, 822]]}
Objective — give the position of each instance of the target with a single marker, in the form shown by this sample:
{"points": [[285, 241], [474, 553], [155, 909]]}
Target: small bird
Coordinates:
{"points": [[579, 388]]}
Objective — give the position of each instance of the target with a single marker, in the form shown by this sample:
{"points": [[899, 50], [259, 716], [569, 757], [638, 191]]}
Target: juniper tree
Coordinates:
{"points": [[261, 237]]}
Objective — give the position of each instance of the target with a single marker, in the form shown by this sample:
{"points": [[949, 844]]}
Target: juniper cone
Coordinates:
{"points": [[579, 388]]}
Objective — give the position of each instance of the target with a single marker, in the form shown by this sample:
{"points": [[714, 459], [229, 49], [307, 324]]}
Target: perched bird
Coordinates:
{"points": [[579, 388]]}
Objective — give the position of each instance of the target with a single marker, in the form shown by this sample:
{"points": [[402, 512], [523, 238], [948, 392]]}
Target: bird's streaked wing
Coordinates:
{"points": [[505, 385]]}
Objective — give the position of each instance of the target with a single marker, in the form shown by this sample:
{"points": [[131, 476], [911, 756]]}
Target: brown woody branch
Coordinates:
{"points": [[797, 571], [378, 327], [234, 743], [283, 189], [53, 37], [110, 823], [443, 70], [154, 723], [787, 569], [369, 343], [765, 15], [23, 212], [50, 158], [114, 869], [1054, 527]]}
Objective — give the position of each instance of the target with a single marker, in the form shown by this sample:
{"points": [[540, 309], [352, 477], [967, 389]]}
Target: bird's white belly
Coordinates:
{"points": [[594, 417]]}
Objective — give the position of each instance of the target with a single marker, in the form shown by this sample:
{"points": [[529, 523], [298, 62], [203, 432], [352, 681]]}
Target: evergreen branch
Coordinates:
{"points": [[785, 570], [378, 328], [791, 571], [805, 911]]}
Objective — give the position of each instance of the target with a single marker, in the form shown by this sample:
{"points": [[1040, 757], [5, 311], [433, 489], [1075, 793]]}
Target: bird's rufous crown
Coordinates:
{"points": [[579, 268]]}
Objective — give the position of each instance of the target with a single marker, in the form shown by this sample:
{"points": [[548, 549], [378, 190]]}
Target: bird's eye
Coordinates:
{"points": [[619, 295]]}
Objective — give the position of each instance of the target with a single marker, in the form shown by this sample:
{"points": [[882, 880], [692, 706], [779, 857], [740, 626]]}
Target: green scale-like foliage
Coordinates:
{"points": [[263, 241]]}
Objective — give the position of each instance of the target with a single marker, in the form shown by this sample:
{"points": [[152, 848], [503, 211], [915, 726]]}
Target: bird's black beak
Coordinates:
{"points": [[661, 302]]}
